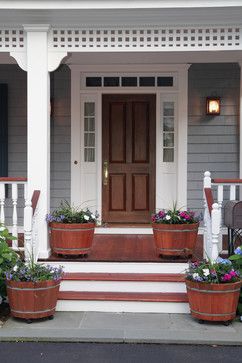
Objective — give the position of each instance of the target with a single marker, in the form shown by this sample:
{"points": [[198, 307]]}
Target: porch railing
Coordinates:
{"points": [[21, 214], [213, 211]]}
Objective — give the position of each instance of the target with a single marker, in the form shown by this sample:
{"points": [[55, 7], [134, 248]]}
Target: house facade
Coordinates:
{"points": [[107, 104]]}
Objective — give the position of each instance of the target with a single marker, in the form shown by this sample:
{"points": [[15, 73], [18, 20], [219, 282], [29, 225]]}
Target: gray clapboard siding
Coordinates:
{"points": [[213, 142]]}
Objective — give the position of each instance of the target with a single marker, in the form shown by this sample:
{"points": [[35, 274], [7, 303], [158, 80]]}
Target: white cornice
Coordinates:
{"points": [[114, 4]]}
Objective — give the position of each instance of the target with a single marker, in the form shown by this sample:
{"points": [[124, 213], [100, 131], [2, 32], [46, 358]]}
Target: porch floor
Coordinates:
{"points": [[125, 248]]}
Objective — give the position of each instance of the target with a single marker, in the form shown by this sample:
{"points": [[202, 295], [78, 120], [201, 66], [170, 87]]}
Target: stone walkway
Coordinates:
{"points": [[123, 327]]}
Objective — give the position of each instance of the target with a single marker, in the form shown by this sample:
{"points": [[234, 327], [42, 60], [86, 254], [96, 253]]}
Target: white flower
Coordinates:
{"points": [[168, 218], [2, 229], [15, 268], [195, 275], [206, 271], [86, 218], [2, 238], [92, 215]]}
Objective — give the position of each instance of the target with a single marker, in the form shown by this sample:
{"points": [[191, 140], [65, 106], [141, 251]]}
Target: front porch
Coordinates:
{"points": [[79, 95]]}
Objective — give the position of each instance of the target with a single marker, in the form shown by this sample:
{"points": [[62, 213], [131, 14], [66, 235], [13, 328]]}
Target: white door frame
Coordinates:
{"points": [[180, 91]]}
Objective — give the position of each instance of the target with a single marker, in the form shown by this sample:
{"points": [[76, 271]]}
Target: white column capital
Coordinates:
{"points": [[36, 27]]}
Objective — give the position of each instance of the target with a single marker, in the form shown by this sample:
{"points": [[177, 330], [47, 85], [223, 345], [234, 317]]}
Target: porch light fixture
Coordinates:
{"points": [[213, 106]]}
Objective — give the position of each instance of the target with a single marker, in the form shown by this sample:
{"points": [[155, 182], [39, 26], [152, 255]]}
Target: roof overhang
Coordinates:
{"points": [[98, 13]]}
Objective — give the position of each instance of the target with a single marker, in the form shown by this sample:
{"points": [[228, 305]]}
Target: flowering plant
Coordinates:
{"points": [[212, 272], [70, 214], [174, 216], [33, 272]]}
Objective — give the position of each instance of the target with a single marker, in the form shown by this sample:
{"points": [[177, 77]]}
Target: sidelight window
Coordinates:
{"points": [[168, 129], [89, 131]]}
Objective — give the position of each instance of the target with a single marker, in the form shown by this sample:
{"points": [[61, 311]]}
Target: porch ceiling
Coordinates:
{"points": [[116, 58]]}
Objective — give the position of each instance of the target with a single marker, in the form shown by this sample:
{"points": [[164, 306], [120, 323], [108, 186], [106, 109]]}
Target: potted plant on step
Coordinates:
{"points": [[33, 289], [175, 232], [213, 289], [71, 230]]}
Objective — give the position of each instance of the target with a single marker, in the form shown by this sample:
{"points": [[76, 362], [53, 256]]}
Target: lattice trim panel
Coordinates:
{"points": [[167, 39], [12, 39]]}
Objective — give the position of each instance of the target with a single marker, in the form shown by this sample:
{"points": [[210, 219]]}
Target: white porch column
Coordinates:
{"points": [[240, 128], [38, 114], [182, 137]]}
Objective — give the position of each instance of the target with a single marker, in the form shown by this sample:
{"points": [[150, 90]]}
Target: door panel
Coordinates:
{"points": [[140, 195], [117, 133], [117, 201], [129, 158], [140, 134]]}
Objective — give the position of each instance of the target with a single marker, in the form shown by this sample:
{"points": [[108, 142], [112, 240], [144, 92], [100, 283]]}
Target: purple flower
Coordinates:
{"points": [[238, 251]]}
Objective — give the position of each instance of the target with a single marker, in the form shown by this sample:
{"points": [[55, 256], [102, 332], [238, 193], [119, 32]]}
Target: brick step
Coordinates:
{"points": [[139, 277], [123, 296]]}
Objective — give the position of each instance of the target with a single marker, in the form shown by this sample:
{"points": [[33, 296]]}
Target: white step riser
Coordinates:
{"points": [[123, 306], [123, 286], [121, 267]]}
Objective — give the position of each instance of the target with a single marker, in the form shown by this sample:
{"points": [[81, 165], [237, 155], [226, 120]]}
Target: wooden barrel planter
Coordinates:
{"points": [[71, 239], [32, 300], [175, 239], [214, 302]]}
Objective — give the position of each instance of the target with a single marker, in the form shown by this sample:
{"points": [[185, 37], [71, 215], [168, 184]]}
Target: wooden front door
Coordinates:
{"points": [[128, 136]]}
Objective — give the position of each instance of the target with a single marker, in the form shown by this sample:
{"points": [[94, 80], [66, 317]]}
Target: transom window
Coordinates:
{"points": [[127, 80]]}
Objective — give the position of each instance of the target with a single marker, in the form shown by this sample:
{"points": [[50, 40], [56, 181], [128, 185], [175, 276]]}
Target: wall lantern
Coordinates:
{"points": [[213, 106]]}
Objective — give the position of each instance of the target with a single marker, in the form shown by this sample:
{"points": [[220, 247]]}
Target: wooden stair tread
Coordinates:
{"points": [[139, 277], [124, 296]]}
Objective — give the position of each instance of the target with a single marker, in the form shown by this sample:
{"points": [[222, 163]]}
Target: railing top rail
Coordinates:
{"points": [[226, 181], [209, 199], [13, 180], [35, 199]]}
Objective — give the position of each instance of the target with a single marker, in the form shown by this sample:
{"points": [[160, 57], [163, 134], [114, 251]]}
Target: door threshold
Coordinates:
{"points": [[120, 228], [125, 225]]}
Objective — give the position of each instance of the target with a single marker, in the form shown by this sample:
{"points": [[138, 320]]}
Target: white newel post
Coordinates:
{"points": [[39, 126]]}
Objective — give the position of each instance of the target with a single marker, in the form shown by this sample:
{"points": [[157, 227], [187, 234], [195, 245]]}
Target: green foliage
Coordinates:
{"points": [[8, 257]]}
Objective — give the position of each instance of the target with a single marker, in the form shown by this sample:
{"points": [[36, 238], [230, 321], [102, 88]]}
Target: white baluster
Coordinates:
{"points": [[207, 234], [25, 192], [216, 224], [2, 203], [220, 195], [15, 215], [28, 212], [232, 192]]}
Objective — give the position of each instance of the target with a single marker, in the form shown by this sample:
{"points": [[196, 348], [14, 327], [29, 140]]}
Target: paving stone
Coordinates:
{"points": [[146, 321], [95, 320], [61, 320]]}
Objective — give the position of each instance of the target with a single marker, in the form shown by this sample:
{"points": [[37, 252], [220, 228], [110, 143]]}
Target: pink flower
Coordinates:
{"points": [[227, 277]]}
